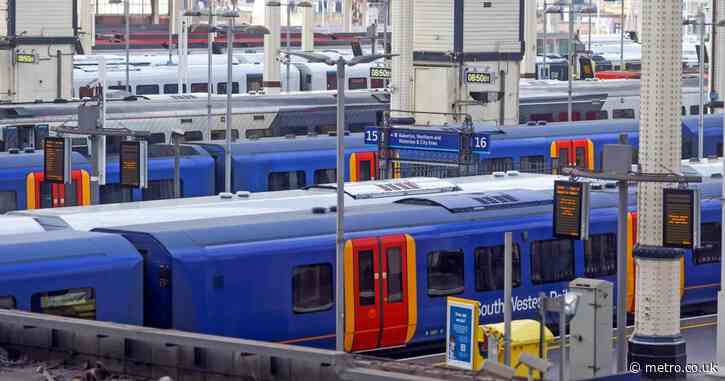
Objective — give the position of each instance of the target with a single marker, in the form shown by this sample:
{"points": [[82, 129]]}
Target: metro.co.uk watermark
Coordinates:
{"points": [[636, 367]]}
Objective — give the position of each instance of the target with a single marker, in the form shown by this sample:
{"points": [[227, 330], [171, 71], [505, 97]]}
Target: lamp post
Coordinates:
{"points": [[341, 65], [720, 349], [699, 21], [570, 51], [230, 29]]}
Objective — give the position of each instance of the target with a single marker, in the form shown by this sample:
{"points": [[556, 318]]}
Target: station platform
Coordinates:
{"points": [[699, 333]]}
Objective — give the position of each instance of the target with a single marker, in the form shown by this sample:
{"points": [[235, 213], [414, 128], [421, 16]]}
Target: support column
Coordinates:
{"points": [[347, 15], [402, 68], [175, 7], [308, 25], [718, 50], [155, 11], [656, 338], [86, 13], [528, 66], [272, 17]]}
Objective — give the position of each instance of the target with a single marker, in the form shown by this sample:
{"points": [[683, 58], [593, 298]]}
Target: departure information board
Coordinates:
{"points": [[54, 160], [678, 214], [130, 162], [570, 209]]}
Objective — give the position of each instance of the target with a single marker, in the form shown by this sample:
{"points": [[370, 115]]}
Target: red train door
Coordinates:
{"points": [[363, 166], [572, 153], [380, 294]]}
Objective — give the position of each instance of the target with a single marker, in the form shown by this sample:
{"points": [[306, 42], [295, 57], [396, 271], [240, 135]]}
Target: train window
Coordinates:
{"points": [[627, 113], [8, 201], [331, 80], [120, 87], [254, 82], [395, 275], [357, 83], [193, 136], [377, 83], [286, 180], [147, 89], [502, 164], [366, 278], [564, 117], [603, 115], [199, 87], [684, 111], [445, 273], [719, 150], [600, 255], [157, 138], [173, 88], [312, 288], [490, 267], [115, 193], [161, 190], [76, 303], [221, 88], [695, 110], [364, 170], [552, 261], [7, 302], [257, 133], [86, 92], [709, 251], [222, 134], [325, 176], [535, 164], [592, 115], [541, 117]]}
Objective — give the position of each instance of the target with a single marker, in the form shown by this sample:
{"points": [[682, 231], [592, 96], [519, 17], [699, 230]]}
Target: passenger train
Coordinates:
{"points": [[310, 111], [401, 259], [277, 164]]}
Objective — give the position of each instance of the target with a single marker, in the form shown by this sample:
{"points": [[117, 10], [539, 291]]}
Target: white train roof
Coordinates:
{"points": [[243, 203]]}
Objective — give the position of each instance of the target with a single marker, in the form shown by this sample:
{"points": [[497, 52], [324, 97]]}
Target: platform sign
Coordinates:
{"points": [[679, 218], [25, 58], [426, 140], [379, 72], [130, 162], [571, 210], [461, 325], [56, 160]]}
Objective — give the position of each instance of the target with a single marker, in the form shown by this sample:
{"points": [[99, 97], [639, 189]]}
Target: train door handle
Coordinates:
{"points": [[377, 276], [385, 276]]}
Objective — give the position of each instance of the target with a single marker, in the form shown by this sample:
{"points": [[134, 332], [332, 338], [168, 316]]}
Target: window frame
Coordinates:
{"points": [[142, 89], [450, 291], [9, 194], [516, 261], [589, 245], [306, 310], [716, 246], [299, 174], [532, 255]]}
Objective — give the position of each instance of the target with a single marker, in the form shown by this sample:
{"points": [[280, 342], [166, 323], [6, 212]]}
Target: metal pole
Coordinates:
{"points": [[170, 35], [589, 46], [228, 117], [571, 60], [126, 12], [177, 165], [562, 342], [385, 27], [289, 25], [701, 125], [340, 239], [507, 286], [720, 350], [621, 40], [622, 277], [546, 40], [209, 73]]}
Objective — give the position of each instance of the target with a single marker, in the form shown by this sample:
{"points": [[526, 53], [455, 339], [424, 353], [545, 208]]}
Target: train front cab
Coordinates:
{"points": [[380, 292]]}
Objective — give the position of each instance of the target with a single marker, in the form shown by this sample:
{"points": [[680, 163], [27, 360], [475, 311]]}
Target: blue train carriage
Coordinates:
{"points": [[23, 184], [272, 278], [197, 175], [75, 274], [275, 164]]}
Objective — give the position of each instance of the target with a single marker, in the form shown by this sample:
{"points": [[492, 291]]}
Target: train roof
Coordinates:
{"points": [[409, 212], [67, 244], [10, 225], [246, 204], [31, 159]]}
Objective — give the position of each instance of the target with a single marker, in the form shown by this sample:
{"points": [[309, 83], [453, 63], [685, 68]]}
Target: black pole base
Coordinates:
{"points": [[658, 358]]}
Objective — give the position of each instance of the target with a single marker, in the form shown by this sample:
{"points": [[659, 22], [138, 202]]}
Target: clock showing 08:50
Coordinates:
{"points": [[474, 77]]}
